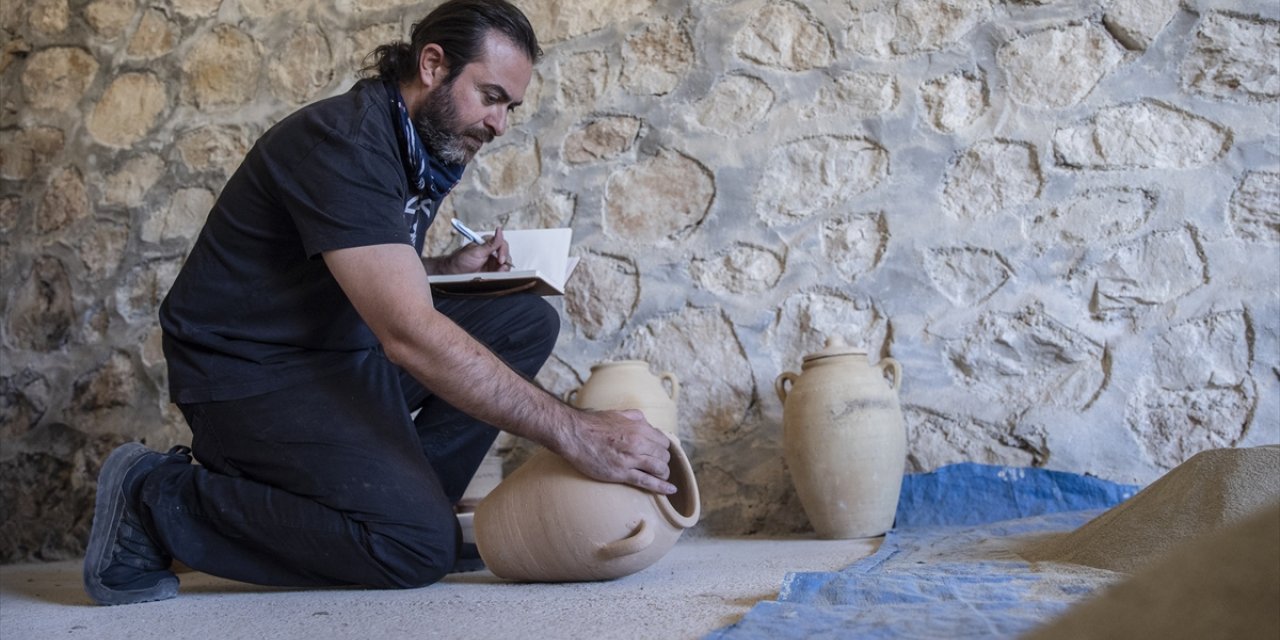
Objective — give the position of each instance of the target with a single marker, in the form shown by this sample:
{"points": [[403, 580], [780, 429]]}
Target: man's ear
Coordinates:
{"points": [[432, 66]]}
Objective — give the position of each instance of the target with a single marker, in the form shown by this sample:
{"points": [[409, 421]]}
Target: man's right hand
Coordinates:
{"points": [[618, 446]]}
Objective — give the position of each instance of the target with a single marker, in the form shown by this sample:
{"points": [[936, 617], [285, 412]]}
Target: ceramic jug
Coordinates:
{"points": [[844, 440], [549, 523], [628, 384]]}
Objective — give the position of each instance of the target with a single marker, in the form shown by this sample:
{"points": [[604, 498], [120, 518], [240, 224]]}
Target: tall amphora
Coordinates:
{"points": [[844, 440], [628, 384]]}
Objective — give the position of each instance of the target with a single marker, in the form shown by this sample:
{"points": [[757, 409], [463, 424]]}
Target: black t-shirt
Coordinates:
{"points": [[255, 308]]}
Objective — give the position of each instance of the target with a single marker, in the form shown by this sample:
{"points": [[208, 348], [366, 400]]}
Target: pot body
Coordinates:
{"points": [[628, 384], [845, 442], [549, 523]]}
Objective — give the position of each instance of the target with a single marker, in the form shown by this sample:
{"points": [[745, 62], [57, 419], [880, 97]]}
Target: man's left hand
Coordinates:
{"points": [[493, 255]]}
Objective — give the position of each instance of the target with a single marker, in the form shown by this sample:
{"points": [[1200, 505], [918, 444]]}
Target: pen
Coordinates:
{"points": [[466, 232]]}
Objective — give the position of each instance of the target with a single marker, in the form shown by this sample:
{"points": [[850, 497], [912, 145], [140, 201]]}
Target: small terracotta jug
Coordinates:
{"points": [[549, 523], [628, 384], [844, 440]]}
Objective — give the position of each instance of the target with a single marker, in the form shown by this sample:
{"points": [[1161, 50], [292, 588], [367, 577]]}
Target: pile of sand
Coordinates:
{"points": [[1212, 490], [1204, 541]]}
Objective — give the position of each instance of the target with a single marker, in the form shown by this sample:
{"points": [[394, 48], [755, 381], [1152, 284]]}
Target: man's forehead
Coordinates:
{"points": [[503, 64]]}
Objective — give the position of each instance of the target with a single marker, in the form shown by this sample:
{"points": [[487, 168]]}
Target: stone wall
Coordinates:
{"points": [[1063, 218]]}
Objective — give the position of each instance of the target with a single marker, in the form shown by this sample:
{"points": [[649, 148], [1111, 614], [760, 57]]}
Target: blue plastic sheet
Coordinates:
{"points": [[949, 568]]}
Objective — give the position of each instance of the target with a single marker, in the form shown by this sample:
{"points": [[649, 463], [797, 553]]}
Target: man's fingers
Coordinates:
{"points": [[650, 483]]}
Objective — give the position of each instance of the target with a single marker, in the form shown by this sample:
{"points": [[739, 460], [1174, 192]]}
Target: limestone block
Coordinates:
{"points": [[183, 218], [813, 175], [303, 67], [110, 17], [266, 9], [854, 244], [807, 319], [735, 105], [935, 440], [13, 50], [154, 37], [23, 152], [65, 201], [40, 313], [48, 17], [1209, 351], [603, 294], [221, 70], [128, 186], [521, 116], [955, 101], [1175, 425], [657, 200], [784, 35], [363, 42], [1235, 58], [871, 33], [967, 276], [24, 399], [1135, 23], [510, 170], [655, 58], [1254, 211], [110, 384], [702, 349], [742, 269], [1141, 135], [1152, 270], [1096, 216], [546, 212], [601, 139], [584, 76], [128, 109], [196, 8], [152, 352], [144, 287], [1057, 67], [56, 78], [413, 11], [1027, 359], [991, 176], [558, 20], [213, 148], [933, 25], [103, 248], [10, 209], [858, 94]]}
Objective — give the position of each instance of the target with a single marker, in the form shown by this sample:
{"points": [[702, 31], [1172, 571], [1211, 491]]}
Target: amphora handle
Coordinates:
{"points": [[568, 396], [781, 384], [894, 368], [638, 541], [667, 376]]}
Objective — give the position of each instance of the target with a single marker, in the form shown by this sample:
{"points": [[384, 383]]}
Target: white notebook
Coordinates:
{"points": [[540, 263]]}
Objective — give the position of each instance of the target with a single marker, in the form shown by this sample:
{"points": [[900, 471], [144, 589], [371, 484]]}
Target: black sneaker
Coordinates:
{"points": [[123, 565], [468, 559]]}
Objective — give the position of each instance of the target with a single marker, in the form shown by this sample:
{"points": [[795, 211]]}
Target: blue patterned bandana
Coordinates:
{"points": [[423, 169]]}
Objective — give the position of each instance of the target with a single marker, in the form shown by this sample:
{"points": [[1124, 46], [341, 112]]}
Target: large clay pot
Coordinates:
{"points": [[628, 384], [549, 523], [844, 440]]}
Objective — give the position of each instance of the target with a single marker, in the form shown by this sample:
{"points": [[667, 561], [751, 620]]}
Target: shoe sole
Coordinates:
{"points": [[108, 513]]}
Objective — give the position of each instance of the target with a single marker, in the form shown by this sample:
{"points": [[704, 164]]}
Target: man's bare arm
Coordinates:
{"points": [[388, 287]]}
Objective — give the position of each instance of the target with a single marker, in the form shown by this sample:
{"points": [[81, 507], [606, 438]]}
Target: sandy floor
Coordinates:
{"points": [[701, 585]]}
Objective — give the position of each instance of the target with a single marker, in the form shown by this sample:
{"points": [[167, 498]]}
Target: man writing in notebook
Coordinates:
{"points": [[301, 335]]}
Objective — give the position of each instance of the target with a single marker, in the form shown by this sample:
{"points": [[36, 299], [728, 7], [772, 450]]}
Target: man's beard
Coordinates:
{"points": [[437, 125]]}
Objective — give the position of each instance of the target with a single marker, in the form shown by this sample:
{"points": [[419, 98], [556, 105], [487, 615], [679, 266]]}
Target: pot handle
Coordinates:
{"points": [[895, 368], [780, 385], [568, 396], [638, 541], [675, 385]]}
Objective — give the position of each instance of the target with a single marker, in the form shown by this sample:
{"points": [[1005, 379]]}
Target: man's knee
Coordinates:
{"points": [[411, 556]]}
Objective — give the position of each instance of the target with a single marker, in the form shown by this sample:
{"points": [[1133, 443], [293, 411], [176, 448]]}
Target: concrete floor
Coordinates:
{"points": [[703, 584]]}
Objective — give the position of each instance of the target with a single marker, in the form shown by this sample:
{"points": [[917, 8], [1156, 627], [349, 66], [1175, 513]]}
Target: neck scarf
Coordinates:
{"points": [[425, 172]]}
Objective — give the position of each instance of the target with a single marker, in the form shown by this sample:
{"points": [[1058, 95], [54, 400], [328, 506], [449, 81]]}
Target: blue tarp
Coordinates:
{"points": [[949, 568]]}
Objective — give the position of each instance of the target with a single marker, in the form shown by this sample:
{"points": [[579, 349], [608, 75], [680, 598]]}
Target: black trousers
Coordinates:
{"points": [[333, 482]]}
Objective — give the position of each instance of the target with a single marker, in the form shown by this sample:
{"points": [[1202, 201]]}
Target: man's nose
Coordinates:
{"points": [[497, 122]]}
